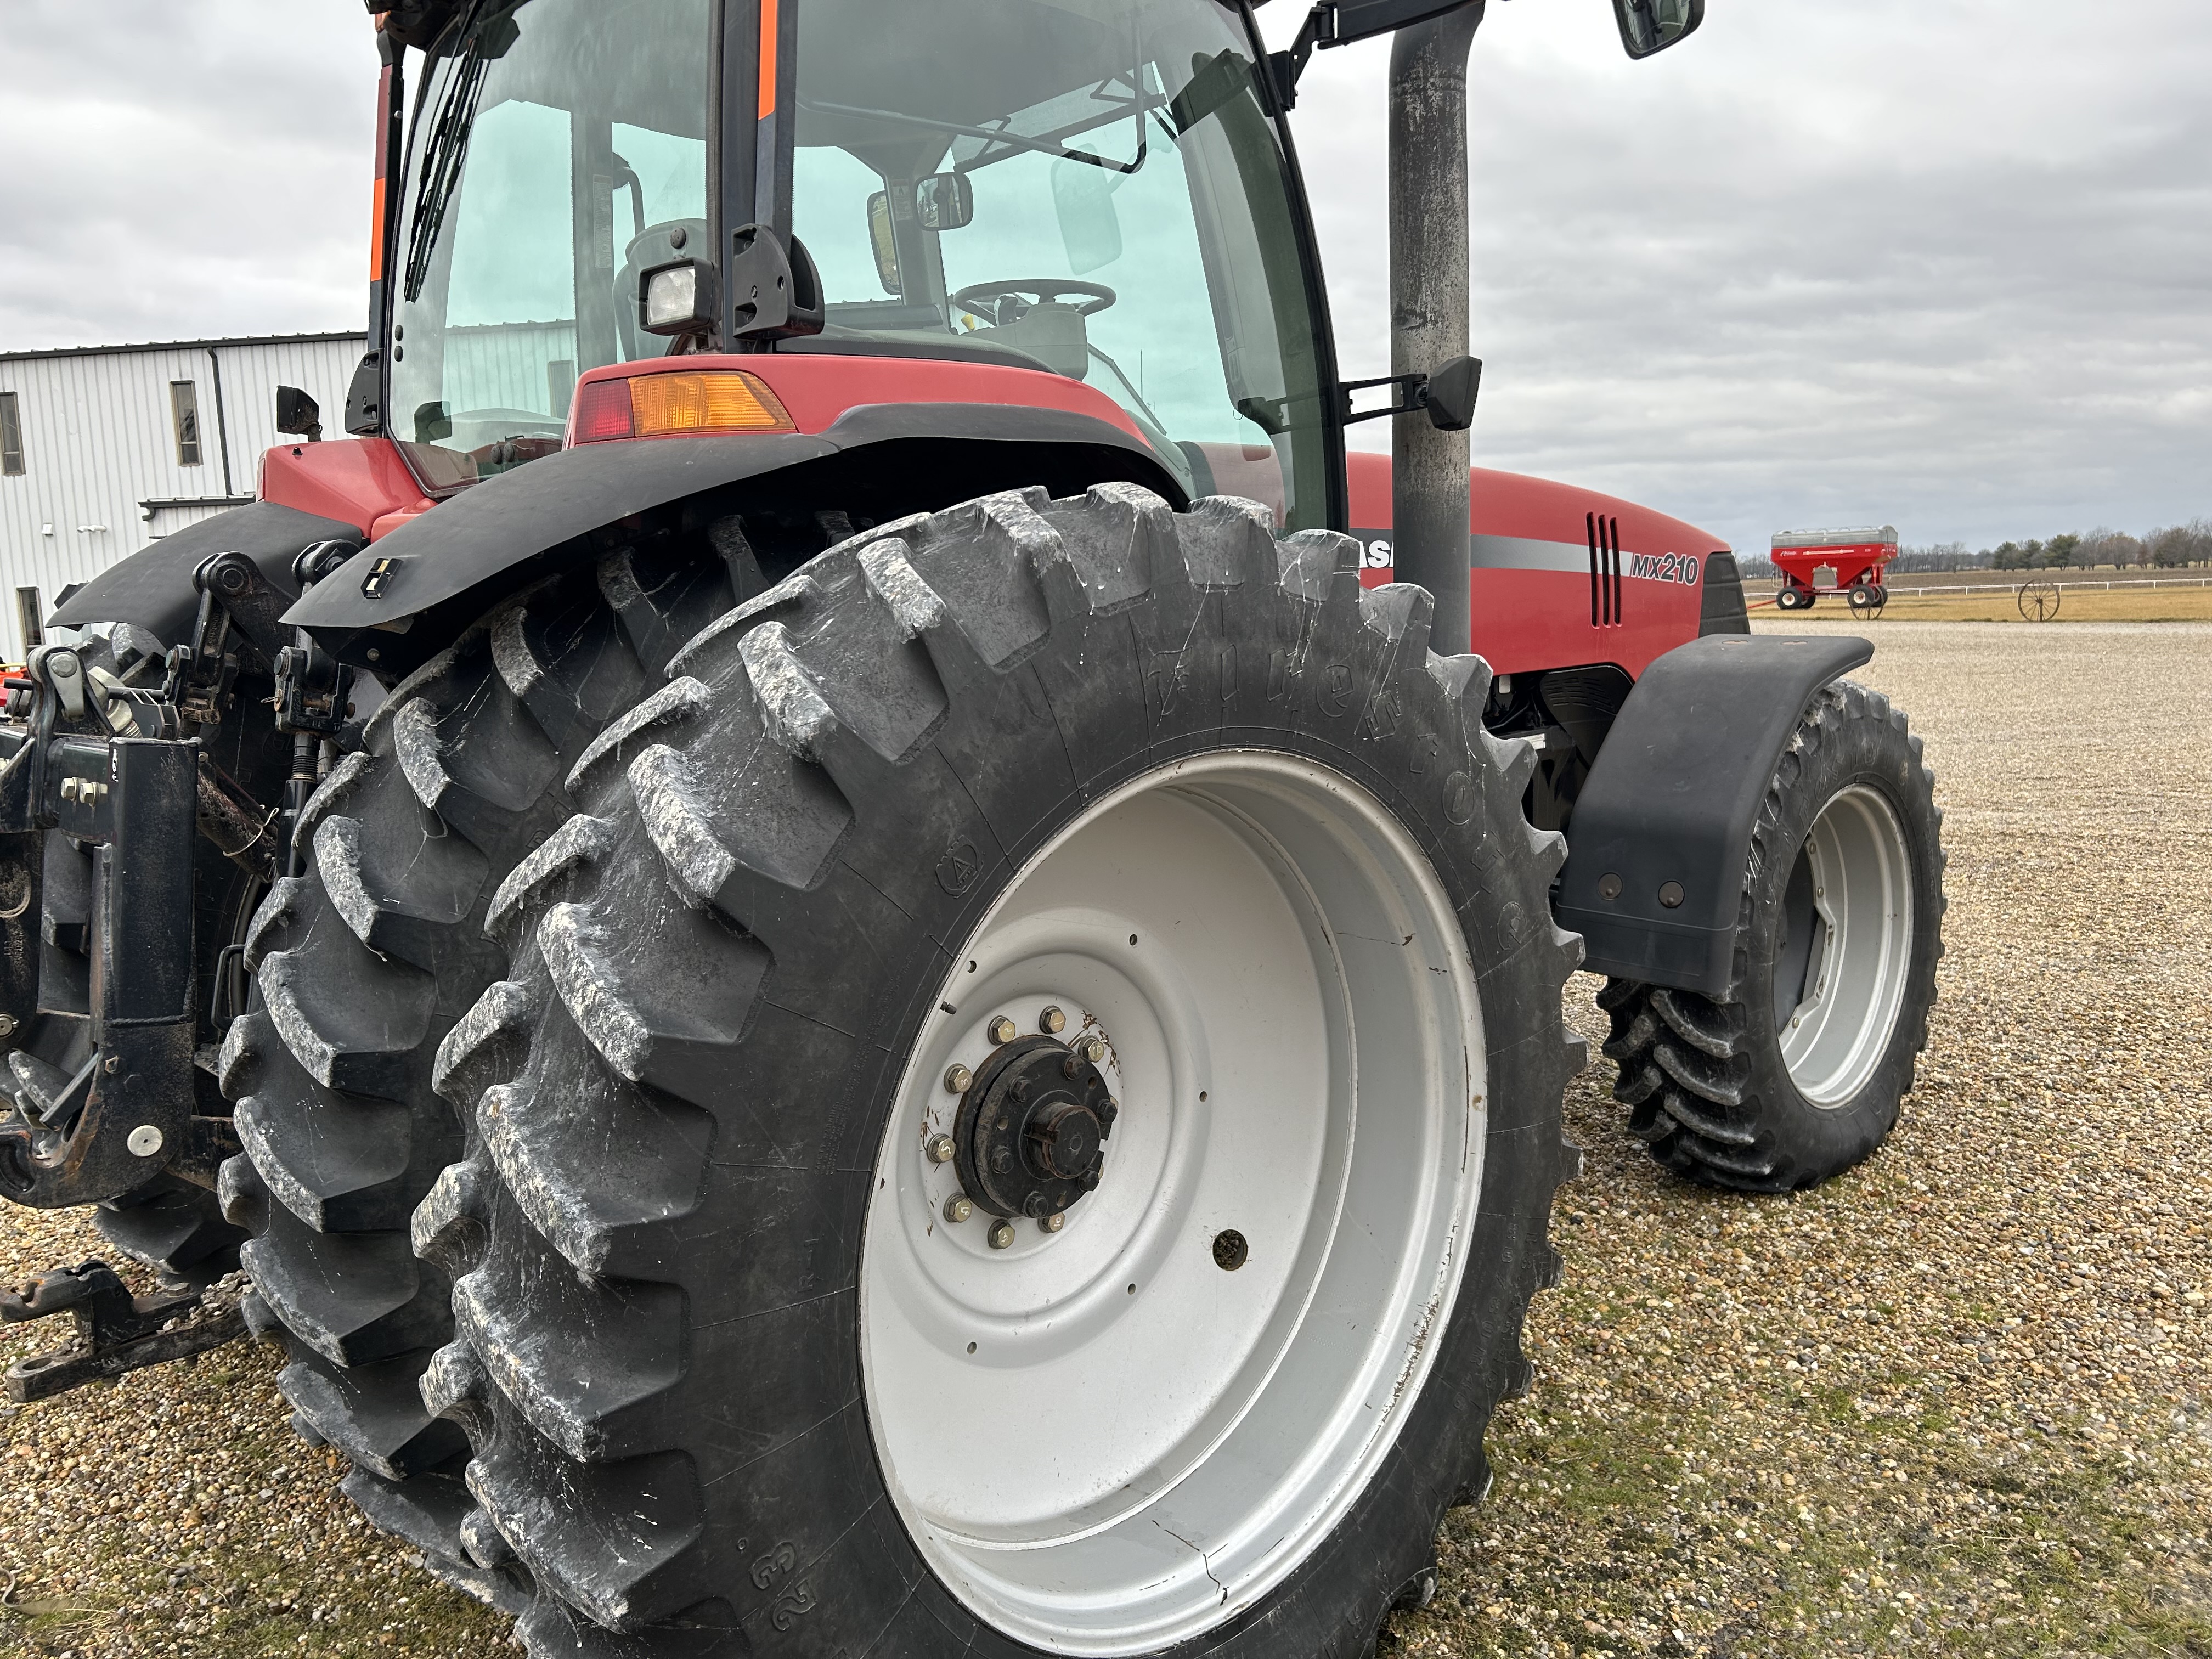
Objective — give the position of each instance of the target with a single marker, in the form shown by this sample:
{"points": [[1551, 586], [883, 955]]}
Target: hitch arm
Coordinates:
{"points": [[116, 1332]]}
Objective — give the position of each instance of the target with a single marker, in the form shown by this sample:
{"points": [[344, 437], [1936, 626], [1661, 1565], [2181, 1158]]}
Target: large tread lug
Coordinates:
{"points": [[179, 1230], [551, 1631], [606, 1170], [374, 1413], [428, 1511], [347, 1029], [354, 1298], [681, 699], [618, 1546], [339, 1168], [656, 1005], [584, 1362]]}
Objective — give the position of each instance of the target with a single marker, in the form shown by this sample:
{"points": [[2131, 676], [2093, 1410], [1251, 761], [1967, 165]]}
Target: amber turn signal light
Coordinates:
{"points": [[691, 403]]}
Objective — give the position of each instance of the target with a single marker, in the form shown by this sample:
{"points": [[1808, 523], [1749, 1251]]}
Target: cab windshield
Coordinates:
{"points": [[555, 143], [1090, 188]]}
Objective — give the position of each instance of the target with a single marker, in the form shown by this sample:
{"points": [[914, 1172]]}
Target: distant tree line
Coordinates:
{"points": [[2172, 548]]}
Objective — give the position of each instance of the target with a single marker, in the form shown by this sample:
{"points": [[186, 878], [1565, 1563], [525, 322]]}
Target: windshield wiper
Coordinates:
{"points": [[443, 153], [998, 135]]}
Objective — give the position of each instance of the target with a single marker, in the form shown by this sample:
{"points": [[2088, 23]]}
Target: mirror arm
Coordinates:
{"points": [[1284, 68], [1410, 396]]}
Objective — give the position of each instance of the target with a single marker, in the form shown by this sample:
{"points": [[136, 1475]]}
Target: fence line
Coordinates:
{"points": [[1897, 592]]}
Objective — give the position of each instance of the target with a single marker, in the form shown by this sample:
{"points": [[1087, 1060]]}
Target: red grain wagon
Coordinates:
{"points": [[1849, 562]]}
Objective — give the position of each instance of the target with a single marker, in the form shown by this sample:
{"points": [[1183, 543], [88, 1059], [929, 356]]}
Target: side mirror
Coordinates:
{"points": [[298, 415], [1649, 26], [945, 201], [1450, 394]]}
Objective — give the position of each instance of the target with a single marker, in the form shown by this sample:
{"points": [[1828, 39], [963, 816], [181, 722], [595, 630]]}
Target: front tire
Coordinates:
{"points": [[1797, 1073], [735, 1382]]}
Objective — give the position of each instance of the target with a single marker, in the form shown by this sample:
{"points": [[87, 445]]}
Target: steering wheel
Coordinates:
{"points": [[984, 297]]}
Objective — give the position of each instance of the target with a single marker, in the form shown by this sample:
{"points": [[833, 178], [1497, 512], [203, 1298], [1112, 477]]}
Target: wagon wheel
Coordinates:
{"points": [[2038, 601]]}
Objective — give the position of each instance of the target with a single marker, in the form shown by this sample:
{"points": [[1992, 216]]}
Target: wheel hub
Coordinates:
{"points": [[1030, 1136]]}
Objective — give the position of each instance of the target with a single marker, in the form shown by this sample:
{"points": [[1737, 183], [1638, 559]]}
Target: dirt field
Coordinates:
{"points": [[1959, 1401]]}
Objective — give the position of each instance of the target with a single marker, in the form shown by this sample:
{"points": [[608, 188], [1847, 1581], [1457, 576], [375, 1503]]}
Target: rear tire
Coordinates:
{"points": [[1798, 1073], [360, 967], [736, 977]]}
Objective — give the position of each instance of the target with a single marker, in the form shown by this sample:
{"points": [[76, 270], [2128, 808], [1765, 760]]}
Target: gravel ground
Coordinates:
{"points": [[1958, 1401]]}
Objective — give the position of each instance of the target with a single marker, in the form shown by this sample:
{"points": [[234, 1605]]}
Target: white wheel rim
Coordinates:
{"points": [[1837, 1033], [1295, 1042]]}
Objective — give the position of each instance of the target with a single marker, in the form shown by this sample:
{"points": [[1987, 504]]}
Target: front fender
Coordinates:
{"points": [[1672, 799]]}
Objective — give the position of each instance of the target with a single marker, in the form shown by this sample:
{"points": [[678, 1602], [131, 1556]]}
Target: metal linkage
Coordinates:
{"points": [[127, 1114], [90, 765], [116, 1332]]}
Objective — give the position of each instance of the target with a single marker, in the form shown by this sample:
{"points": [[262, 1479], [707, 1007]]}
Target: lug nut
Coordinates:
{"points": [[958, 1207], [1054, 1222], [1092, 1048], [1052, 1021], [1002, 1235], [1000, 1029], [957, 1079], [939, 1149]]}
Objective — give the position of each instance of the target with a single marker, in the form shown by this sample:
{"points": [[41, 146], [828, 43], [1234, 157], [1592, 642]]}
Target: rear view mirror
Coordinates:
{"points": [[945, 201], [1089, 228], [882, 242], [298, 415], [1649, 26]]}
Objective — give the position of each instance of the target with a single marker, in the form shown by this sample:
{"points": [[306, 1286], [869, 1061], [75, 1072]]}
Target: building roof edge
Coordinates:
{"points": [[183, 345]]}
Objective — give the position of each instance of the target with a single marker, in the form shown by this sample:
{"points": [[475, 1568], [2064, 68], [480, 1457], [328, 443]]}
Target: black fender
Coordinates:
{"points": [[422, 582], [1668, 811], [153, 588]]}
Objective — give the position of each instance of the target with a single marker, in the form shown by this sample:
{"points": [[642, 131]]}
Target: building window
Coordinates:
{"points": [[28, 611], [185, 404], [11, 436]]}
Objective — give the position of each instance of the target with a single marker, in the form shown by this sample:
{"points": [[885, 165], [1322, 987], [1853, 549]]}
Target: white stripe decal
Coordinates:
{"points": [[1523, 553], [1496, 553]]}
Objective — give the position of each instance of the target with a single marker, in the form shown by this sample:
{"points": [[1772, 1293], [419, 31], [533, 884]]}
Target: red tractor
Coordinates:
{"points": [[864, 952], [1851, 562]]}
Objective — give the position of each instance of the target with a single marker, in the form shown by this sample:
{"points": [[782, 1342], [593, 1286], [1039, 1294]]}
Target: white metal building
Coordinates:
{"points": [[105, 448]]}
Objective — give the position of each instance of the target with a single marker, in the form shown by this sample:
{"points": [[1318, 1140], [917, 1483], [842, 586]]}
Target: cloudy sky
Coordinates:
{"points": [[1944, 263]]}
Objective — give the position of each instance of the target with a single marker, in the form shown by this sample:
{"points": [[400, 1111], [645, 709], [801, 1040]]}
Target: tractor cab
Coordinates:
{"points": [[1096, 189]]}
